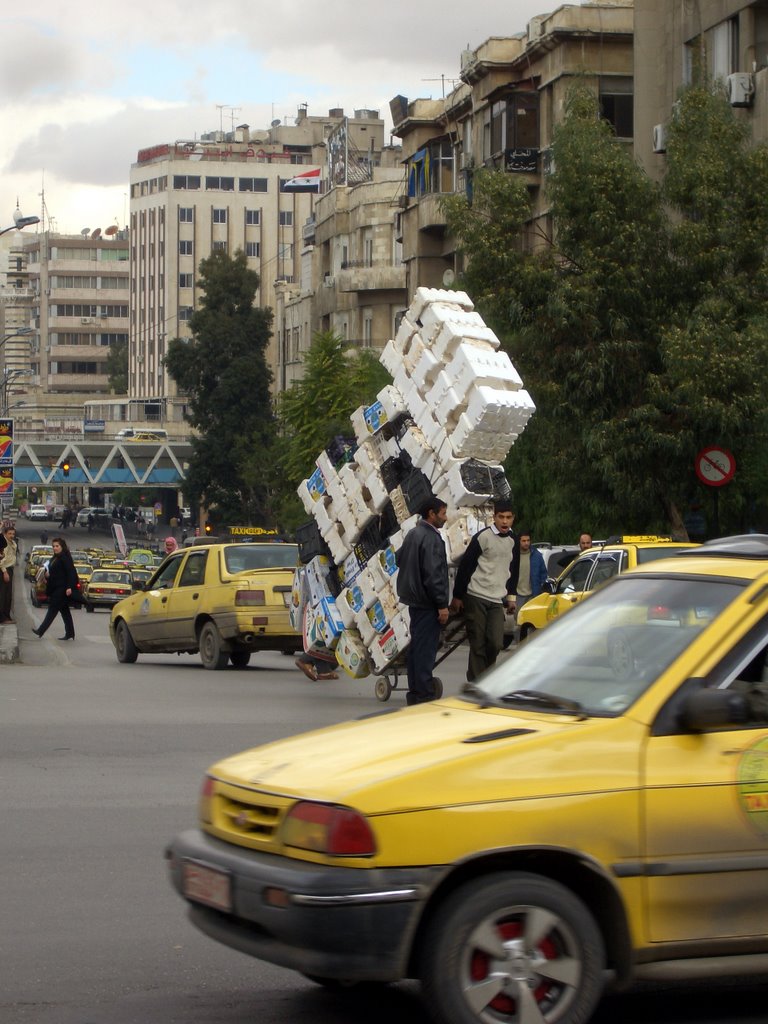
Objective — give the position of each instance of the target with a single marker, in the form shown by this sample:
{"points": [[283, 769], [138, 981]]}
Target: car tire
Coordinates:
{"points": [[211, 653], [89, 608], [33, 598], [526, 631], [513, 946], [126, 650], [240, 659]]}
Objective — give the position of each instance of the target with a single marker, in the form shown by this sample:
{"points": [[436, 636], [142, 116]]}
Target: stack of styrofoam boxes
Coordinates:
{"points": [[454, 410]]}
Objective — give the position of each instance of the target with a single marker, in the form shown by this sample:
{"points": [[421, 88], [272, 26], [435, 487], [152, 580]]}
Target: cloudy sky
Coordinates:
{"points": [[84, 85]]}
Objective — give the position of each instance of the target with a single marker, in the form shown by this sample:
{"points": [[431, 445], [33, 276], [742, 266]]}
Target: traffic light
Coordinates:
{"points": [[65, 467], [209, 528]]}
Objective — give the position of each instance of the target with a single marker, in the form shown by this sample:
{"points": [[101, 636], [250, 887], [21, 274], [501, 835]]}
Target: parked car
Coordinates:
{"points": [[221, 600], [588, 571], [82, 515], [106, 587], [588, 809], [39, 512]]}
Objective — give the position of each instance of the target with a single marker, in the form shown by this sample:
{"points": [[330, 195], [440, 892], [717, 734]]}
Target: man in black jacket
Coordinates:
{"points": [[422, 584]]}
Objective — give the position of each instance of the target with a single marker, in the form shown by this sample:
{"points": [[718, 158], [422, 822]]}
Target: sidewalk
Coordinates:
{"points": [[9, 643]]}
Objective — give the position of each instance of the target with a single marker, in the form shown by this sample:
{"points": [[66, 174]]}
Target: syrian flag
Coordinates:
{"points": [[309, 181]]}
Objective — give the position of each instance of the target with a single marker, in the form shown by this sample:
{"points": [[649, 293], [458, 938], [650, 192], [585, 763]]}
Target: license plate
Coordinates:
{"points": [[206, 885]]}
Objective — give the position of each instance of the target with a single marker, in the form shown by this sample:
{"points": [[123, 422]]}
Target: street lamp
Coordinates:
{"points": [[9, 378], [20, 333], [19, 222]]}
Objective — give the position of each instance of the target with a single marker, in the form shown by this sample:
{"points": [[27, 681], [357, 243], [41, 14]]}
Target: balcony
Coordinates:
{"points": [[364, 276], [431, 215]]}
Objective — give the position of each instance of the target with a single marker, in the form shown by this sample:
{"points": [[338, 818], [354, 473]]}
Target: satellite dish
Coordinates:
{"points": [[448, 278], [275, 123], [111, 230], [85, 232], [96, 233]]}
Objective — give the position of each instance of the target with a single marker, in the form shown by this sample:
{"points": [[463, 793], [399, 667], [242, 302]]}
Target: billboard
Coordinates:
{"points": [[6, 462]]}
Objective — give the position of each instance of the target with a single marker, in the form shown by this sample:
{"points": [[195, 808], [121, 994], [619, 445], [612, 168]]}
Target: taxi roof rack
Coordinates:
{"points": [[742, 545]]}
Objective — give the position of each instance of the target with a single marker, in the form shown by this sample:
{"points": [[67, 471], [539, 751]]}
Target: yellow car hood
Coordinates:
{"points": [[445, 752]]}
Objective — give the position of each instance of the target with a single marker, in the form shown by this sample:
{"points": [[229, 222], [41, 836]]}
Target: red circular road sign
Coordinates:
{"points": [[715, 466]]}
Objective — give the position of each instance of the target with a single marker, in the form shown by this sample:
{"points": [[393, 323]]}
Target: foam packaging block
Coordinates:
{"points": [[352, 655], [329, 622], [390, 357]]}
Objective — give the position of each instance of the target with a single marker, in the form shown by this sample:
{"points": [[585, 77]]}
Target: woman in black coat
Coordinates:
{"points": [[60, 587]]}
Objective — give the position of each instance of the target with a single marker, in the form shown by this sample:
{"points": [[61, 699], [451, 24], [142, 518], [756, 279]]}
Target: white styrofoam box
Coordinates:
{"points": [[352, 655], [345, 518], [469, 442], [383, 568], [377, 616], [457, 538], [447, 412], [367, 458], [390, 357], [369, 586], [388, 405], [352, 597], [383, 448], [336, 492], [389, 601], [338, 544], [310, 490], [365, 627], [349, 569], [413, 353], [349, 476], [346, 611], [405, 332], [375, 494], [413, 399], [416, 445], [425, 421], [359, 425], [425, 371], [402, 381], [437, 314], [441, 490], [324, 464], [472, 365], [299, 598], [451, 335], [313, 641], [363, 516], [494, 409], [316, 575], [424, 296], [323, 515], [391, 644], [329, 622]]}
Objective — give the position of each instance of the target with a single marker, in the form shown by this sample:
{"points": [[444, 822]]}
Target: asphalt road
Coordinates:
{"points": [[100, 765]]}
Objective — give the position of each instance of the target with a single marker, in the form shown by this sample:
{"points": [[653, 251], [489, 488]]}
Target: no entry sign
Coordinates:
{"points": [[715, 466]]}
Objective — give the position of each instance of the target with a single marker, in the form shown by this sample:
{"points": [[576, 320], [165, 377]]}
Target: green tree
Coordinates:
{"points": [[639, 331], [222, 369], [117, 366], [337, 379]]}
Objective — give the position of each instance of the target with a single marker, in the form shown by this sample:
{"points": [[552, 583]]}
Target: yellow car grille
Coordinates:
{"points": [[253, 819]]}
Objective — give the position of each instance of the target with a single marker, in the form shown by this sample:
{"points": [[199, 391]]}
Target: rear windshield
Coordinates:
{"points": [[245, 557], [652, 554]]}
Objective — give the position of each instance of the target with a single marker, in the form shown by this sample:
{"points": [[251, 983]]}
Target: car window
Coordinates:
{"points": [[244, 557], [608, 650], [166, 574], [574, 580], [194, 569], [609, 564]]}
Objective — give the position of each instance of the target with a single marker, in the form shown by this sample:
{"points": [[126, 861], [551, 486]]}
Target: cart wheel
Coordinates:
{"points": [[437, 685], [383, 688]]}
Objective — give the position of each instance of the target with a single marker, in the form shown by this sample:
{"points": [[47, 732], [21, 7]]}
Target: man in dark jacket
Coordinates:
{"points": [[422, 584]]}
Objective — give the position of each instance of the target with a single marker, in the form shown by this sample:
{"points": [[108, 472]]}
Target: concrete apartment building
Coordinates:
{"points": [[352, 277], [512, 94], [725, 39], [65, 303], [219, 192]]}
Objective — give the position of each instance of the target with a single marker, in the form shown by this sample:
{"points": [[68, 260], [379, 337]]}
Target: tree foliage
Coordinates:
{"points": [[337, 379], [223, 372], [640, 330], [117, 366]]}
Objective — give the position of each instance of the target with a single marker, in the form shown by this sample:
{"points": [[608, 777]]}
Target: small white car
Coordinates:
{"points": [[37, 512]]}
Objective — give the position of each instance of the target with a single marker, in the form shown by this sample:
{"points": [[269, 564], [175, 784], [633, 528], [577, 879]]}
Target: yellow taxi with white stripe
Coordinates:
{"points": [[587, 571]]}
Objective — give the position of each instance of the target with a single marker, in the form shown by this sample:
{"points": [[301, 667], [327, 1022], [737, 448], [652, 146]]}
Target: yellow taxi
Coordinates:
{"points": [[589, 570], [106, 586], [569, 818], [221, 600]]}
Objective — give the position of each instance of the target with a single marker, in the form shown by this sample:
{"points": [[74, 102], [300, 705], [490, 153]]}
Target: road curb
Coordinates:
{"points": [[9, 643]]}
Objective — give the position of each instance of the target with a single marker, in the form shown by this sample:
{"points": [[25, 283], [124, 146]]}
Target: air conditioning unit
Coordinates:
{"points": [[659, 138], [740, 88], [402, 202], [86, 319]]}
